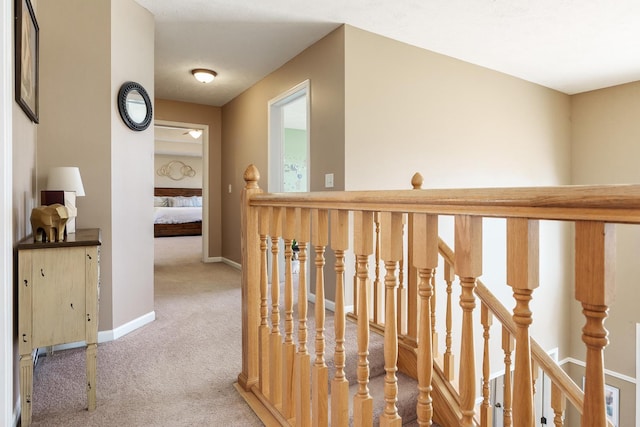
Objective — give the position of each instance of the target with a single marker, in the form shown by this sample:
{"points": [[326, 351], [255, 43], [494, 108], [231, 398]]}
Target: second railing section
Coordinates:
{"points": [[312, 359]]}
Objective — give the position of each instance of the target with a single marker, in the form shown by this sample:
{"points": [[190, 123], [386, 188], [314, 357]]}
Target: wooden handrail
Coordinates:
{"points": [[608, 203]]}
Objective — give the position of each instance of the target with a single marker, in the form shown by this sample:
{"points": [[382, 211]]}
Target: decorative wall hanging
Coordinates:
{"points": [[134, 105], [27, 44], [176, 170]]}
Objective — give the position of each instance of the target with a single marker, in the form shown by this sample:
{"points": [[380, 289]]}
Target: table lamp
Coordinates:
{"points": [[64, 184]]}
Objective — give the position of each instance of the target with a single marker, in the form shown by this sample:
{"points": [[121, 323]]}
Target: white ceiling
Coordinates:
{"points": [[569, 45]]}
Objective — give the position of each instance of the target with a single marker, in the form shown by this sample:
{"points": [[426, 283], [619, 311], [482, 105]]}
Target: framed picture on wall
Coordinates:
{"points": [[612, 404], [27, 44]]}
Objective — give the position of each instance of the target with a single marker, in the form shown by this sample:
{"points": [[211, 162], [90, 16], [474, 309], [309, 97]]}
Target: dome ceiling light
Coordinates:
{"points": [[203, 75]]}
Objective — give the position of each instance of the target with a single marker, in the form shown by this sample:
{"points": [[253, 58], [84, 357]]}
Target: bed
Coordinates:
{"points": [[177, 212]]}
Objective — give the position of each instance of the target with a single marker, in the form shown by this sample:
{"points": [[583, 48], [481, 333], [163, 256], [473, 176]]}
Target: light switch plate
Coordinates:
{"points": [[328, 180]]}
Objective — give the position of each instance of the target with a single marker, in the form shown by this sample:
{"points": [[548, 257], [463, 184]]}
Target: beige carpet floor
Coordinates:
{"points": [[176, 371]]}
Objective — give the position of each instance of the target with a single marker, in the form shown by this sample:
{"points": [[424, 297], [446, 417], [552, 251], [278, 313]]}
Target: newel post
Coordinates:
{"points": [[595, 271], [250, 250]]}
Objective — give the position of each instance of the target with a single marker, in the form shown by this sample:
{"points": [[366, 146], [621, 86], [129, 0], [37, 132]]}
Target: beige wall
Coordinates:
{"points": [[75, 129], [176, 111], [245, 127], [24, 184], [132, 58], [460, 125], [23, 199], [88, 49], [605, 150], [406, 110]]}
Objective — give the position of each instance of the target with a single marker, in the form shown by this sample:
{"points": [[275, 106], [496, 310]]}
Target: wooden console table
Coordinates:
{"points": [[58, 294]]}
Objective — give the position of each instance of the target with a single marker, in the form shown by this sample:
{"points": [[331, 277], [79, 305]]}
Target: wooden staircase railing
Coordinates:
{"points": [[286, 387]]}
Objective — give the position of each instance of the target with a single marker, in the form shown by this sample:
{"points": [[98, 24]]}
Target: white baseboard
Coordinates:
{"points": [[123, 330], [614, 374], [114, 334], [232, 263], [212, 259], [330, 305]]}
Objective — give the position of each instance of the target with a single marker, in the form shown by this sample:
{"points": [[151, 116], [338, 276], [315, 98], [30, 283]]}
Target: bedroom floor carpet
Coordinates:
{"points": [[176, 371]]}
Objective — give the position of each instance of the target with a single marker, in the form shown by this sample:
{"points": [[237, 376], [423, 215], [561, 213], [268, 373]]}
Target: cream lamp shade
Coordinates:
{"points": [[65, 178]]}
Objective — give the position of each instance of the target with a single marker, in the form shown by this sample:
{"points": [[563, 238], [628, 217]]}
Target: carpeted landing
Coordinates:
{"points": [[179, 370]]}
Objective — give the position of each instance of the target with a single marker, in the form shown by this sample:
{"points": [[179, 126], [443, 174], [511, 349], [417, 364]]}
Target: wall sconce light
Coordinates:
{"points": [[203, 75], [65, 180], [195, 133]]}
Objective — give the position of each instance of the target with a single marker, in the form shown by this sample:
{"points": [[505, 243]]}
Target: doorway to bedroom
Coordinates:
{"points": [[181, 179]]}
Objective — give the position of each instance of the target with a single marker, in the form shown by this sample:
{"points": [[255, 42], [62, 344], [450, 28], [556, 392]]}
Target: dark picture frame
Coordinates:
{"points": [[27, 45]]}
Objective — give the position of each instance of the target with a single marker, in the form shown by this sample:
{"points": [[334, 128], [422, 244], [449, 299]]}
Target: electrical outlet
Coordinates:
{"points": [[328, 180]]}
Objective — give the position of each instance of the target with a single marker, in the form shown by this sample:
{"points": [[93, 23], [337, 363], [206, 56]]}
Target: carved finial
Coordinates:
{"points": [[251, 176], [417, 181]]}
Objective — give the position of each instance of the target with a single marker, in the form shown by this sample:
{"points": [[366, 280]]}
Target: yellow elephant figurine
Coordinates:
{"points": [[48, 222]]}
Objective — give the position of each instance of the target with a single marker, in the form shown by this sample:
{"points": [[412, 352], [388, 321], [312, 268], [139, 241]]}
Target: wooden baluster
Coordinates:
{"points": [[534, 378], [264, 307], [303, 358], [250, 251], [340, 384], [486, 411], [468, 264], [449, 277], [355, 288], [558, 403], [320, 372], [378, 286], [391, 252], [522, 276], [288, 347], [595, 289], [401, 311], [434, 332], [425, 259], [275, 356], [363, 248], [507, 347], [413, 307]]}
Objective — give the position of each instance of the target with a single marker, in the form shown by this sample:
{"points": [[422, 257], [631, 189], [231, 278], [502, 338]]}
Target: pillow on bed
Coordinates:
{"points": [[160, 202], [185, 202]]}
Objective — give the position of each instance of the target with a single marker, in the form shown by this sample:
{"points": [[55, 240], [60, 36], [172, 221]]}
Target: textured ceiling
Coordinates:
{"points": [[568, 45]]}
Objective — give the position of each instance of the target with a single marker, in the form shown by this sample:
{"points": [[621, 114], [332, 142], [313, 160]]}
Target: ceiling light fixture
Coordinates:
{"points": [[203, 75], [195, 133]]}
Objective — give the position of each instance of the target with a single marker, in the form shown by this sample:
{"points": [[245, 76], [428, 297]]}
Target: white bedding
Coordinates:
{"points": [[165, 215]]}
